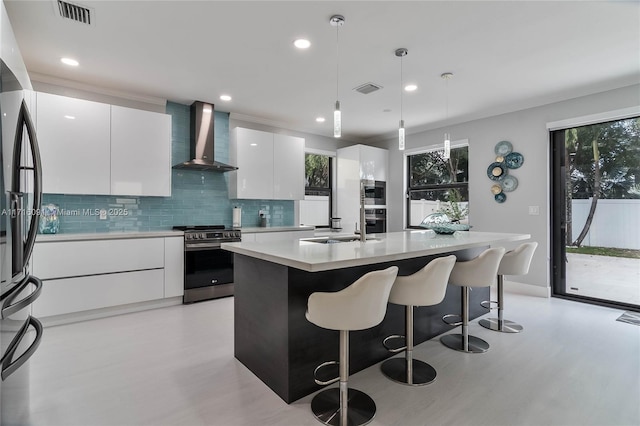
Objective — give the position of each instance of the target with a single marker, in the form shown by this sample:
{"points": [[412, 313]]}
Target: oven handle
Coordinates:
{"points": [[207, 246]]}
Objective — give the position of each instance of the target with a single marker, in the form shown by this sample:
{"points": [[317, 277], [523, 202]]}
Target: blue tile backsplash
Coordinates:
{"points": [[197, 198]]}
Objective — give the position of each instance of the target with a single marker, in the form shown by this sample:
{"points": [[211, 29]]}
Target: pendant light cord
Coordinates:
{"points": [[401, 83], [337, 59]]}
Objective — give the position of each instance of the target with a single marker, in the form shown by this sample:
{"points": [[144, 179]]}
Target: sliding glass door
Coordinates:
{"points": [[596, 213]]}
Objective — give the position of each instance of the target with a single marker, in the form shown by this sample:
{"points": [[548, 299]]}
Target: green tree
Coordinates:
{"points": [[316, 171]]}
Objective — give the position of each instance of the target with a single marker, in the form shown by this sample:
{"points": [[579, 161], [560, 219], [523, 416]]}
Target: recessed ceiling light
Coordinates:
{"points": [[410, 87], [302, 43], [70, 62], [225, 97], [69, 117], [320, 119]]}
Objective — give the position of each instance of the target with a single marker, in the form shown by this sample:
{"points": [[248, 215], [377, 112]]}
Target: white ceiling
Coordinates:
{"points": [[505, 55]]}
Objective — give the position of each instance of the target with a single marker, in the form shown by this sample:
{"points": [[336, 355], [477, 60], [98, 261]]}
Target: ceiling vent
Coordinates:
{"points": [[367, 88], [75, 12]]}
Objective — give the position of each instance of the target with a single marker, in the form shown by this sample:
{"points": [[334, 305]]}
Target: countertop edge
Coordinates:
{"points": [[258, 229], [292, 262], [49, 238]]}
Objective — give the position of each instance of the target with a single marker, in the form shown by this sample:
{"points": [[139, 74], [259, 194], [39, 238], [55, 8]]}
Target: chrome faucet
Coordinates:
{"points": [[363, 221]]}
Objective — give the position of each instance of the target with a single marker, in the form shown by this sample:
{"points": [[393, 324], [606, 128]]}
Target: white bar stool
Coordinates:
{"points": [[427, 287], [360, 306], [514, 262], [478, 272]]}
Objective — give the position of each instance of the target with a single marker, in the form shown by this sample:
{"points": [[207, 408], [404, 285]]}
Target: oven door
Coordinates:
{"points": [[375, 194], [204, 267], [376, 220]]}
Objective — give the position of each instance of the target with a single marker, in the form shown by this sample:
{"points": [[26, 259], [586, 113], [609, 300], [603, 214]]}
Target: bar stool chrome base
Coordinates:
{"points": [[421, 372], [456, 342], [504, 326], [326, 407]]}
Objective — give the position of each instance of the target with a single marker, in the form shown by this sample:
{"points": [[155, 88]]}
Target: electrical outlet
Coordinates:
{"points": [[103, 214], [534, 210]]}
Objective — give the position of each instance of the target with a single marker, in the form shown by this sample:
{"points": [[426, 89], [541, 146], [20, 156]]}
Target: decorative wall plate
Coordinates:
{"points": [[514, 160], [509, 183], [503, 148], [500, 198], [496, 171], [496, 189], [499, 159]]}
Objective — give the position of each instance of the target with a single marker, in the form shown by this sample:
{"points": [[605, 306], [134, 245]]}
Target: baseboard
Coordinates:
{"points": [[108, 312], [527, 289]]}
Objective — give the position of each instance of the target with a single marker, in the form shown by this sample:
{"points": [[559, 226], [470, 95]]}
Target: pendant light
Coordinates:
{"points": [[337, 21], [447, 137], [402, 52]]}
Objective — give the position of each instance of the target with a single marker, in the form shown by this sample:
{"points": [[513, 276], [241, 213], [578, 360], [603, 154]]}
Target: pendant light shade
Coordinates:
{"points": [[401, 53], [337, 121], [337, 21], [447, 137]]}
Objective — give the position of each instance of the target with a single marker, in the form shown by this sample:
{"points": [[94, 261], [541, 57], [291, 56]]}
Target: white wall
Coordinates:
{"points": [[527, 132]]}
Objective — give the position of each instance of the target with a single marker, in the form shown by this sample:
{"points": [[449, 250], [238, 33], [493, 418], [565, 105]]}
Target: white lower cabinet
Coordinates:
{"points": [[68, 295], [80, 276]]}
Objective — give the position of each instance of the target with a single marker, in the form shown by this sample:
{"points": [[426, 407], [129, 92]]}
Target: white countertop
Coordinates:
{"points": [[257, 229], [42, 238], [313, 257]]}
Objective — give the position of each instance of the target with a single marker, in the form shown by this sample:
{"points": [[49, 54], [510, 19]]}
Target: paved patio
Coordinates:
{"points": [[610, 278]]}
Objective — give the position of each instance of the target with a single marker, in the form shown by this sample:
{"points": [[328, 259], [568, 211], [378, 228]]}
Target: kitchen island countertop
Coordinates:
{"points": [[313, 256]]}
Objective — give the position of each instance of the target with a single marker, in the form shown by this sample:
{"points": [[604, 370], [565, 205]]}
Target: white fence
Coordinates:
{"points": [[421, 208], [616, 223]]}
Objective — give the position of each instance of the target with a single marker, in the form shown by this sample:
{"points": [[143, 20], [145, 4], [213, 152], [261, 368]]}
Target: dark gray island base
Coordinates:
{"points": [[275, 341]]}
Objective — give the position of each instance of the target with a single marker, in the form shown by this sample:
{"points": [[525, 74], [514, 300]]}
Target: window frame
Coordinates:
{"points": [[331, 188], [407, 177]]}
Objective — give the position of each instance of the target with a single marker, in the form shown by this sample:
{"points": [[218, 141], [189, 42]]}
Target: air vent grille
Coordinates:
{"points": [[367, 88], [74, 12]]}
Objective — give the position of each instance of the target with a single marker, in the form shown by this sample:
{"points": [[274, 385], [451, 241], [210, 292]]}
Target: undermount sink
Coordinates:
{"points": [[335, 240]]}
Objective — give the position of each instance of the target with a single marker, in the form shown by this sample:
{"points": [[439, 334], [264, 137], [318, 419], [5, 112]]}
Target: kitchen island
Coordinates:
{"points": [[274, 280]]}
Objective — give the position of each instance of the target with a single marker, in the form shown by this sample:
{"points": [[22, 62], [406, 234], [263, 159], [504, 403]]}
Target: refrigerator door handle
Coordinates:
{"points": [[9, 307], [9, 365], [24, 120]]}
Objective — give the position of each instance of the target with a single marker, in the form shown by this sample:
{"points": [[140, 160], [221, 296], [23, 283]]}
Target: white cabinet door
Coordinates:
{"points": [[173, 266], [252, 152], [74, 138], [373, 163], [140, 152], [288, 167]]}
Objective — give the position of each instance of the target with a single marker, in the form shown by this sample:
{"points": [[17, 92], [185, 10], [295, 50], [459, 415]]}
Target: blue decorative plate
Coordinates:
{"points": [[501, 197], [503, 148], [496, 171], [509, 183], [514, 160]]}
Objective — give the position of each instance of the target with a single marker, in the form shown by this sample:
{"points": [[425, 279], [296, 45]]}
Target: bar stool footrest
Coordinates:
{"points": [[328, 382], [487, 304], [326, 407], [504, 326], [390, 349], [453, 324]]}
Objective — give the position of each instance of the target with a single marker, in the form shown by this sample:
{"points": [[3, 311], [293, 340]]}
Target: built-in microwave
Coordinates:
{"points": [[375, 193]]}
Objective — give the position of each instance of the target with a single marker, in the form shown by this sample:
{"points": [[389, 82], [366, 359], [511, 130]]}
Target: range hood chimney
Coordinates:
{"points": [[202, 142]]}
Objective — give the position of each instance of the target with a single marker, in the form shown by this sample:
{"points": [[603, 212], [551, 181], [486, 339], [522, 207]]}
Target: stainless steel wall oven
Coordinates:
{"points": [[376, 220], [375, 193]]}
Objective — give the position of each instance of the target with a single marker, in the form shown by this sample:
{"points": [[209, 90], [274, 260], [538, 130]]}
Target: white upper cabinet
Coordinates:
{"points": [[74, 139], [288, 167], [373, 163], [140, 152], [95, 148], [270, 167]]}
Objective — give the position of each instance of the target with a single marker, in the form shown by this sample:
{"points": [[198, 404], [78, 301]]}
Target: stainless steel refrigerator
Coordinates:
{"points": [[20, 198]]}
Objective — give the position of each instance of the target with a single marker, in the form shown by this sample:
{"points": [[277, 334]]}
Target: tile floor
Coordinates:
{"points": [[574, 364]]}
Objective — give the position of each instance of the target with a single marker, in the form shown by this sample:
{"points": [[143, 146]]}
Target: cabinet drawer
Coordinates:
{"points": [[69, 295], [78, 258]]}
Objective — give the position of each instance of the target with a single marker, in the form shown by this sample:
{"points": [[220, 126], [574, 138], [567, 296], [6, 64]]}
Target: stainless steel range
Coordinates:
{"points": [[208, 270]]}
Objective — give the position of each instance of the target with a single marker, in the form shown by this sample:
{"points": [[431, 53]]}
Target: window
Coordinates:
{"points": [[433, 182], [315, 209]]}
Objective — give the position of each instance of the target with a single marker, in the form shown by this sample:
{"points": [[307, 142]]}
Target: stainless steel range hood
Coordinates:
{"points": [[202, 142]]}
